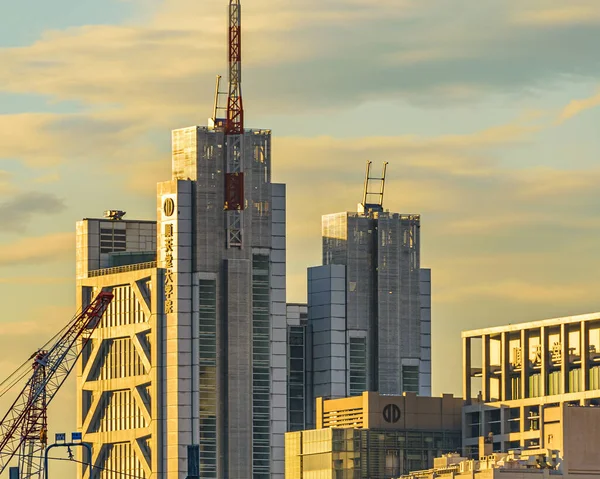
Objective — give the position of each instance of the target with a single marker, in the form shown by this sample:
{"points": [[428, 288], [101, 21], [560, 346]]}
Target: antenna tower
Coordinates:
{"points": [[373, 198], [234, 132]]}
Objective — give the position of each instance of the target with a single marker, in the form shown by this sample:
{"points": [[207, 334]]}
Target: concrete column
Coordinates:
{"points": [[467, 370], [521, 424], [544, 369], [564, 362], [485, 367], [524, 364], [505, 366], [585, 356]]}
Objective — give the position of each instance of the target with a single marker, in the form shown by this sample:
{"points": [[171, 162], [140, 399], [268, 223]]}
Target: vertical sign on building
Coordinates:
{"points": [[168, 210]]}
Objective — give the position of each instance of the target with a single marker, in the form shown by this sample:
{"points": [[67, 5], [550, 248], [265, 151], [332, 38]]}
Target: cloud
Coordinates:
{"points": [[48, 178], [563, 16], [18, 210], [302, 57], [576, 107], [40, 249], [522, 292], [37, 280], [546, 182], [6, 185]]}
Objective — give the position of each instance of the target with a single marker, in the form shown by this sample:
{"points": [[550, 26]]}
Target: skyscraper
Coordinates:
{"points": [[198, 339], [369, 304], [193, 349], [225, 308]]}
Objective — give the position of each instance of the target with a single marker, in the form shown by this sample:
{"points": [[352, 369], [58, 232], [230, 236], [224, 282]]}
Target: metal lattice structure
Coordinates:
{"points": [[27, 413], [35, 426], [373, 199], [234, 133]]}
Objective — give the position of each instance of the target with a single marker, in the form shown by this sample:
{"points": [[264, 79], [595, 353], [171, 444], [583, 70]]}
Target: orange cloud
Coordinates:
{"points": [[40, 249], [578, 106], [568, 15]]}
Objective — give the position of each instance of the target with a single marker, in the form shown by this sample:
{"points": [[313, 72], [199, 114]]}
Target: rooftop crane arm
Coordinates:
{"points": [[57, 362]]}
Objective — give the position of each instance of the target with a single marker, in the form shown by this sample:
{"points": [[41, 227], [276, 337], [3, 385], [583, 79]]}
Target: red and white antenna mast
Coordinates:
{"points": [[235, 108], [234, 132]]}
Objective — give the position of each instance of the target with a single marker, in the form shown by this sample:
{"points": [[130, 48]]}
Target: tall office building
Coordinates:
{"points": [[369, 305], [199, 334], [191, 354], [225, 309]]}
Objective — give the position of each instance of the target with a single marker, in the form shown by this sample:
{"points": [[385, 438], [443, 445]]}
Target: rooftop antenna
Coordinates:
{"points": [[219, 112], [234, 132], [373, 190]]}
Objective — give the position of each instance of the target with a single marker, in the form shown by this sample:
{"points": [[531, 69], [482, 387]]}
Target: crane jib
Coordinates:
{"points": [[51, 368]]}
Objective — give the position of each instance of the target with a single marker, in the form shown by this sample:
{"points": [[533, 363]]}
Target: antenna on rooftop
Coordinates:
{"points": [[219, 112], [373, 190]]}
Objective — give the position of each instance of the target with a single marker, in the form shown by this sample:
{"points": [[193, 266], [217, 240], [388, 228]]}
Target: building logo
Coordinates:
{"points": [[169, 207], [391, 413]]}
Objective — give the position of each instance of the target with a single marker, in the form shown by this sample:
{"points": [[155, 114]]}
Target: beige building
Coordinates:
{"points": [[118, 400], [373, 436], [518, 379], [572, 435]]}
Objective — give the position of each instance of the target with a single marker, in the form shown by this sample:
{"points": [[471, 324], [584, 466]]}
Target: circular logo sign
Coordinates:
{"points": [[169, 207], [391, 413]]}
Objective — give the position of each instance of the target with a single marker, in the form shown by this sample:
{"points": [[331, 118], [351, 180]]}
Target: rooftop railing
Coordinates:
{"points": [[121, 269]]}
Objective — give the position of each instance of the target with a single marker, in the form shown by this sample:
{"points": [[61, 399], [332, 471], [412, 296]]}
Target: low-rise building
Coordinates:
{"points": [[374, 436], [518, 378], [517, 464], [569, 451]]}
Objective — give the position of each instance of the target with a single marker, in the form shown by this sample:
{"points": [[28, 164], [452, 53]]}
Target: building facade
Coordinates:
{"points": [[572, 434], [369, 307], [299, 368], [374, 437], [215, 306], [518, 378], [118, 402]]}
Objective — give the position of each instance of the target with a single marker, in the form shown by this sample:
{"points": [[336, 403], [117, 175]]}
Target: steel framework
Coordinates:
{"points": [[35, 426], [234, 132], [24, 423]]}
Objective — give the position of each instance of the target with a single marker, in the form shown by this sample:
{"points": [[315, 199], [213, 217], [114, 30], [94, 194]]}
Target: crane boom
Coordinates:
{"points": [[51, 368]]}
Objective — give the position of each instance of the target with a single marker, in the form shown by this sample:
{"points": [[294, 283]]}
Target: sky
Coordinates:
{"points": [[487, 113]]}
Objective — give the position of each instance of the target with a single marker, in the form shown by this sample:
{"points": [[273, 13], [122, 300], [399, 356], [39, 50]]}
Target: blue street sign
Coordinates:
{"points": [[75, 436], [60, 437]]}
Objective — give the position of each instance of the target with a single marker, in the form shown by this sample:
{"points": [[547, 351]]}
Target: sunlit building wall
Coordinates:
{"points": [[519, 378]]}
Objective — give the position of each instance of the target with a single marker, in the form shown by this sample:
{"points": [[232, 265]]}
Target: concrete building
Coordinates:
{"points": [[369, 307], [117, 402], [569, 449], [513, 465], [373, 436], [518, 378], [198, 334]]}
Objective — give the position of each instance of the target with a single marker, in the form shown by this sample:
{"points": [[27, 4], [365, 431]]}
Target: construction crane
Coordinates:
{"points": [[234, 132], [24, 426]]}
